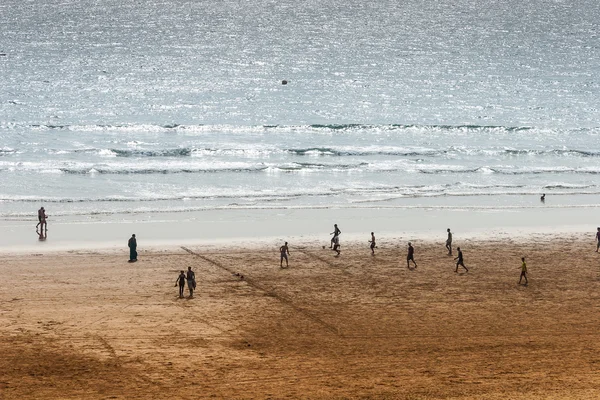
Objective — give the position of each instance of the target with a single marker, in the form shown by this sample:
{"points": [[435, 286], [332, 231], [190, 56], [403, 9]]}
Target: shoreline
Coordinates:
{"points": [[259, 228]]}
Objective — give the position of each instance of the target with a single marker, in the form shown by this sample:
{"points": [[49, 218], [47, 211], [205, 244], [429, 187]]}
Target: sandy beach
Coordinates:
{"points": [[88, 324]]}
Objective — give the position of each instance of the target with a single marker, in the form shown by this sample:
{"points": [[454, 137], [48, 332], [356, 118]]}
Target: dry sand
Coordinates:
{"points": [[89, 325]]}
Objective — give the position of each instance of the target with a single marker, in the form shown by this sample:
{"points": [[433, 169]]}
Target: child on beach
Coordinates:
{"points": [[372, 241], [284, 251], [460, 260], [410, 256], [181, 282], [523, 271]]}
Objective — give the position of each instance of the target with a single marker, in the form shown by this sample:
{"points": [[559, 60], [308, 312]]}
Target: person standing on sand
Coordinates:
{"points": [[191, 281], [42, 219], [284, 251], [523, 271], [372, 241], [449, 242], [598, 239], [132, 248], [336, 232], [410, 256], [460, 260], [181, 282]]}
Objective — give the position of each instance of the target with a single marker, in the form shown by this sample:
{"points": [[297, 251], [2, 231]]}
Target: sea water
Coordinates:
{"points": [[121, 106]]}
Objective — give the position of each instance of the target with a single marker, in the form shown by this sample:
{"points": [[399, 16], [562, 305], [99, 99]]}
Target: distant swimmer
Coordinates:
{"points": [[373, 245], [336, 245], [285, 252], [410, 256], [449, 242], [132, 244], [598, 239], [460, 260], [181, 282], [42, 219], [190, 277], [523, 271], [543, 198], [336, 232]]}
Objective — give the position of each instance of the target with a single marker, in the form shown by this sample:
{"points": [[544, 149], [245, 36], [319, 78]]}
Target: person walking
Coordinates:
{"points": [[284, 251], [181, 282], [410, 256], [132, 244], [191, 281], [42, 219], [449, 242], [598, 240], [460, 260], [523, 271]]}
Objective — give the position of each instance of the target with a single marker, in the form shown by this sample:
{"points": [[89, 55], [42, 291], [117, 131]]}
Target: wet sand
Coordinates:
{"points": [[88, 324]]}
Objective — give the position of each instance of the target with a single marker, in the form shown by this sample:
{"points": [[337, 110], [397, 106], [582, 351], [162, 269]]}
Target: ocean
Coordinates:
{"points": [[176, 106]]}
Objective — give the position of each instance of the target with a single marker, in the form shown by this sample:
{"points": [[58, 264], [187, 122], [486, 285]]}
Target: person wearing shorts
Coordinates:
{"points": [[460, 260], [336, 232], [284, 251], [191, 281], [410, 256]]}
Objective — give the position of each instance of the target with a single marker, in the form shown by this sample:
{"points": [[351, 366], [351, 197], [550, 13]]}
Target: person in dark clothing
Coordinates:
{"points": [[460, 260], [336, 232], [191, 281], [410, 256], [181, 282], [132, 248]]}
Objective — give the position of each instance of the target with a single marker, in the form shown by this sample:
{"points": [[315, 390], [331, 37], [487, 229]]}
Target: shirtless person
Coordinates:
{"points": [[285, 251], [460, 260], [42, 219], [336, 232], [449, 242], [372, 241], [410, 256]]}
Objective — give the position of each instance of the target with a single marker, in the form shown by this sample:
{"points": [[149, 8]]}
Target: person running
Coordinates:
{"points": [[523, 271], [449, 242], [372, 241], [190, 277], [410, 256], [181, 282], [336, 232], [285, 251], [132, 244], [42, 219], [598, 239], [336, 244], [460, 260]]}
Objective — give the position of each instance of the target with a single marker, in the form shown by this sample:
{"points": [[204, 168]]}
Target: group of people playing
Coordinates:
{"points": [[335, 246]]}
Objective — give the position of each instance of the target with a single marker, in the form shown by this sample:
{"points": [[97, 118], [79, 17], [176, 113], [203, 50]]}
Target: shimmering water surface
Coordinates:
{"points": [[121, 106]]}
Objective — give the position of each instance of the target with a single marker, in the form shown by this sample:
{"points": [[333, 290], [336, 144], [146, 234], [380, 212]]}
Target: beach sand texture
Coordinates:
{"points": [[89, 325]]}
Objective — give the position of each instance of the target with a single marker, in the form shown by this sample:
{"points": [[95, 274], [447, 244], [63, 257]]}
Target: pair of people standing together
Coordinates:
{"points": [[189, 278]]}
